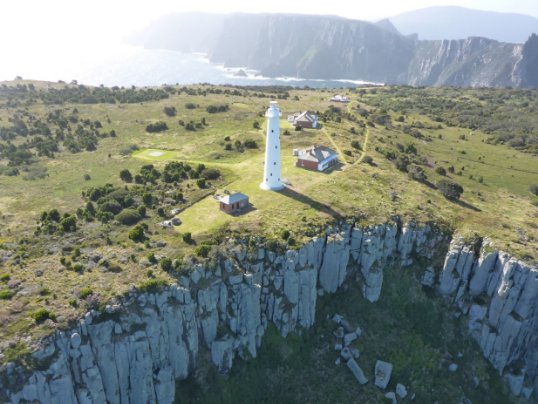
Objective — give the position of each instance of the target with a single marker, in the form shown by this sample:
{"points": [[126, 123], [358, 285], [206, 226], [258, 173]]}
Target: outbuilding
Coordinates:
{"points": [[317, 158], [340, 98], [304, 119], [231, 203]]}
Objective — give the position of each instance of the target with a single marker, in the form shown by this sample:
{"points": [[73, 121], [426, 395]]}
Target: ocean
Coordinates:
{"points": [[129, 65]]}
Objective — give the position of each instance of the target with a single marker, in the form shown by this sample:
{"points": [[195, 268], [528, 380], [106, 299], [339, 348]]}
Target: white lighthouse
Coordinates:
{"points": [[271, 173]]}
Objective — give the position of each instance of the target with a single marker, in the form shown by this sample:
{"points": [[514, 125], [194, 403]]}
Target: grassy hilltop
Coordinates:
{"points": [[69, 242]]}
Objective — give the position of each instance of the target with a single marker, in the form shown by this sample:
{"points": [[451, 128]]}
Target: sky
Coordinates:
{"points": [[54, 33]]}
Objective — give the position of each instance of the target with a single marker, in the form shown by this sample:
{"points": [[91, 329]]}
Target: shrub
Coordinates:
{"points": [[170, 111], [285, 234], [129, 216], [151, 258], [126, 176], [69, 223], [111, 206], [54, 215], [190, 105], [211, 174], [6, 294], [78, 267], [368, 159], [203, 250], [159, 126], [187, 237], [534, 189], [152, 285], [87, 177], [256, 125], [411, 148], [200, 182], [147, 198], [4, 277], [166, 264], [137, 233], [250, 144], [42, 314], [212, 109], [401, 163], [142, 211], [450, 189], [298, 128], [356, 145], [440, 171], [85, 292], [44, 291], [416, 173]]}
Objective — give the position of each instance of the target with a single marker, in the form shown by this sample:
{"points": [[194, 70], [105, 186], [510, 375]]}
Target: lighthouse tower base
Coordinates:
{"points": [[273, 187]]}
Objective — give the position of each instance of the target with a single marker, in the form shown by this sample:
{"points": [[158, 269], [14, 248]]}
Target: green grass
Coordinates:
{"points": [[500, 206]]}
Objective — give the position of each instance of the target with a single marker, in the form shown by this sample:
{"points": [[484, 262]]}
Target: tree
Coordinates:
{"points": [[201, 182], [449, 188], [126, 175]]}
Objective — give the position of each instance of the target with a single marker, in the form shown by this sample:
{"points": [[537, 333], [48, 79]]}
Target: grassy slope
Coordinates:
{"points": [[500, 207]]}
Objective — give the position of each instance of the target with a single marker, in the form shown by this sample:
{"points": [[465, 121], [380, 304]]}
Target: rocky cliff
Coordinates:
{"points": [[499, 296], [135, 351], [328, 47]]}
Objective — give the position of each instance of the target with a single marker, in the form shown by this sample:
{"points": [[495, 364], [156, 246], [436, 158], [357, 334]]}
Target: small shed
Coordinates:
{"points": [[234, 202]]}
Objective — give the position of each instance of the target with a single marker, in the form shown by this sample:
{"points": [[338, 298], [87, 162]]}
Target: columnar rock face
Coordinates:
{"points": [[500, 296], [135, 352]]}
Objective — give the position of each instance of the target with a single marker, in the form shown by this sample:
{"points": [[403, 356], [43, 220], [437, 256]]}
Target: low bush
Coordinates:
{"points": [[6, 294], [450, 189], [128, 217], [85, 292], [159, 126], [41, 315], [152, 285]]}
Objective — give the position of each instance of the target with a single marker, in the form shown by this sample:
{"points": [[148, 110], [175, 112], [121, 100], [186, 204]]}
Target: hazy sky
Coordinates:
{"points": [[38, 32]]}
